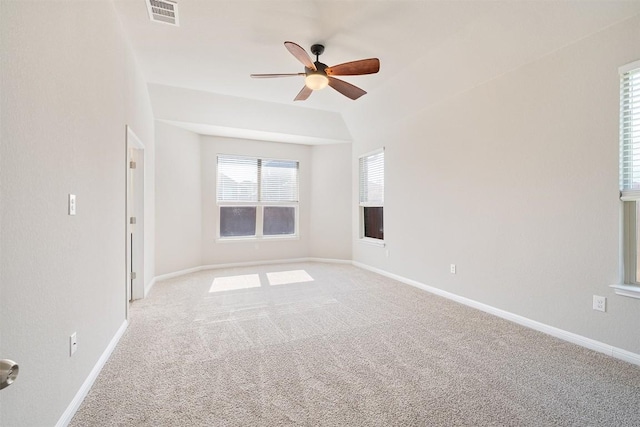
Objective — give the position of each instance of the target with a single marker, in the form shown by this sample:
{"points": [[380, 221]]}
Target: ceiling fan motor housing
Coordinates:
{"points": [[320, 67]]}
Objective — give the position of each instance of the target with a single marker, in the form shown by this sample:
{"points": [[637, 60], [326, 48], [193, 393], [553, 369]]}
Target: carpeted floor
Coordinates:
{"points": [[347, 348]]}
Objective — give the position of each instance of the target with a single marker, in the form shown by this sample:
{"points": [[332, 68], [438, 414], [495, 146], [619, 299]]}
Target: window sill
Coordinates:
{"points": [[255, 239], [372, 242], [627, 290]]}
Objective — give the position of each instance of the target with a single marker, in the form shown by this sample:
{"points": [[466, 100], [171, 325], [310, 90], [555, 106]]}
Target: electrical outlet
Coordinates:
{"points": [[599, 303], [452, 269], [73, 344]]}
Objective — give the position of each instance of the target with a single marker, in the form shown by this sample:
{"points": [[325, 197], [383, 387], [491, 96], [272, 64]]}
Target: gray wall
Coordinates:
{"points": [[331, 202], [69, 86], [178, 199], [516, 182]]}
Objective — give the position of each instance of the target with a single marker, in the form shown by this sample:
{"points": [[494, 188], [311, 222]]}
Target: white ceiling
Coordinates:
{"points": [[429, 50]]}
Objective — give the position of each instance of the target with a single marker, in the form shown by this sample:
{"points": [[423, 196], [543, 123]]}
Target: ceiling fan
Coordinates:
{"points": [[318, 75]]}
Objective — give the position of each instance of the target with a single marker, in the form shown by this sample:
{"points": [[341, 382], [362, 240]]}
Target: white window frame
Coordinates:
{"points": [[369, 204], [259, 205], [629, 193]]}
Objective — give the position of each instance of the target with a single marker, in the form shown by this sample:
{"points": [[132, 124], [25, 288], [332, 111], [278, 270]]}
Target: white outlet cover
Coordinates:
{"points": [[599, 303]]}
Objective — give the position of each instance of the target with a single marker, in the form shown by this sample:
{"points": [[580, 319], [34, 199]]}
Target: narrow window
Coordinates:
{"points": [[630, 167], [371, 172]]}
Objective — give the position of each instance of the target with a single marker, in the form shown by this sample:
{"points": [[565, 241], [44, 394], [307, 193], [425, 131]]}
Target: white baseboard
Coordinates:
{"points": [[71, 410], [589, 343], [625, 355], [253, 263], [331, 260], [176, 274], [148, 287]]}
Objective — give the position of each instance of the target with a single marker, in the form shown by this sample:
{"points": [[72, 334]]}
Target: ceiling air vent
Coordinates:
{"points": [[164, 11]]}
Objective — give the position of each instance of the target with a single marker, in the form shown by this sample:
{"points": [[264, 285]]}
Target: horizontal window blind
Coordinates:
{"points": [[372, 179], [630, 131], [246, 179], [278, 181], [237, 179]]}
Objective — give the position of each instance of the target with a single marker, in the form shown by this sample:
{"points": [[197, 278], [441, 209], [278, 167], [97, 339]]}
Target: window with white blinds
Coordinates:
{"points": [[237, 179], [630, 131], [278, 180], [371, 184], [372, 179], [256, 197], [630, 177], [245, 179]]}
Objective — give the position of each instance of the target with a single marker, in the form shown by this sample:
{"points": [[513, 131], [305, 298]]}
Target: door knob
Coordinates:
{"points": [[8, 372]]}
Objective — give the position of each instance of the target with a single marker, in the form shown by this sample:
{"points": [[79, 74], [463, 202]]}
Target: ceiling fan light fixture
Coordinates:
{"points": [[316, 81], [318, 75]]}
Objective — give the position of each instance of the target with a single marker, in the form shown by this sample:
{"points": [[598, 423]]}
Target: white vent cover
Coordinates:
{"points": [[164, 11]]}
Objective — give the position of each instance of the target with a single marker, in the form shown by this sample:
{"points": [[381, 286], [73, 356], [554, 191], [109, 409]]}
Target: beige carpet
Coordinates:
{"points": [[349, 348]]}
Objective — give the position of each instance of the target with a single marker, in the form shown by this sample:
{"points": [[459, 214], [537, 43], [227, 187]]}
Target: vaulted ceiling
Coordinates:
{"points": [[429, 51]]}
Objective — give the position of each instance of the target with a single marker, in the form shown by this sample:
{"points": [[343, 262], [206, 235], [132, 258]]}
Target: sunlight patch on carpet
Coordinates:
{"points": [[232, 283], [288, 277]]}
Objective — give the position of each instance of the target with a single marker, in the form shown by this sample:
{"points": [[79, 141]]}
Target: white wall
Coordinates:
{"points": [[516, 182], [69, 86], [331, 200], [178, 199], [214, 252]]}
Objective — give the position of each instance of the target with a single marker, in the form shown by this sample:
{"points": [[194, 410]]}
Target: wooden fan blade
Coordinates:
{"points": [[300, 54], [347, 89], [269, 76], [355, 68], [303, 94]]}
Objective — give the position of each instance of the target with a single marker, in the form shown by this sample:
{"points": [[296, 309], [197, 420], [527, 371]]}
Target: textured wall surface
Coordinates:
{"points": [[69, 87], [178, 199], [516, 182], [331, 200]]}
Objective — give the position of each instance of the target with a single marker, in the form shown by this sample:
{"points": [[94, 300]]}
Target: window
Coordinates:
{"points": [[257, 197], [372, 195], [630, 172]]}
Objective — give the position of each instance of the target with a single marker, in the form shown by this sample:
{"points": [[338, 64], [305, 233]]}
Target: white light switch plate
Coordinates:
{"points": [[73, 343], [72, 204]]}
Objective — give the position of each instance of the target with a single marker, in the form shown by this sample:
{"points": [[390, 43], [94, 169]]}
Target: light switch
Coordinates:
{"points": [[72, 204]]}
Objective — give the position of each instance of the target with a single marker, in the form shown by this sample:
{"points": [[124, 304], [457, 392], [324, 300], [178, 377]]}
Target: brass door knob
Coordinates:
{"points": [[8, 372]]}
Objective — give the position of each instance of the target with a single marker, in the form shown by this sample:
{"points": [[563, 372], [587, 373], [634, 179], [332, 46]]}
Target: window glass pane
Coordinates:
{"points": [[373, 226], [237, 179], [237, 221], [279, 220], [279, 181]]}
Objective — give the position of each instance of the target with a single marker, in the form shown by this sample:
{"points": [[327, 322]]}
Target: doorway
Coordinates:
{"points": [[134, 217]]}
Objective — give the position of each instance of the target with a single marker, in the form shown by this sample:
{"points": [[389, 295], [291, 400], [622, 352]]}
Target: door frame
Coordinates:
{"points": [[134, 207]]}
